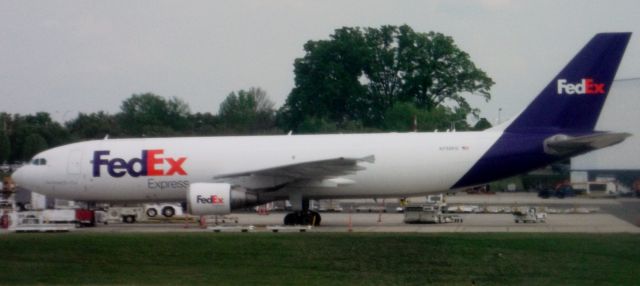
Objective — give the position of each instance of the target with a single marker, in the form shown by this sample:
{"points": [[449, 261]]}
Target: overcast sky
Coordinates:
{"points": [[65, 57]]}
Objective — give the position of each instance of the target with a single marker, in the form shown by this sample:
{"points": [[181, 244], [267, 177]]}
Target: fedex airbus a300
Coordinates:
{"points": [[216, 175]]}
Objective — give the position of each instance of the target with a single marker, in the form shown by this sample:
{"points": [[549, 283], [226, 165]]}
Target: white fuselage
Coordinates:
{"points": [[405, 164]]}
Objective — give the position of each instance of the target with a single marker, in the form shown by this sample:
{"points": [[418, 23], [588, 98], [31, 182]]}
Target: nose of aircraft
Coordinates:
{"points": [[20, 177]]}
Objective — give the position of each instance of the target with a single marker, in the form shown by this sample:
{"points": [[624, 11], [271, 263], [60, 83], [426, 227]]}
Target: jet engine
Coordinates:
{"points": [[218, 198]]}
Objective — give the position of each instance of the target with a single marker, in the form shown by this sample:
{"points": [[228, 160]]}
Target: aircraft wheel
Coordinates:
{"points": [[168, 211], [304, 219], [152, 212], [129, 219], [290, 219]]}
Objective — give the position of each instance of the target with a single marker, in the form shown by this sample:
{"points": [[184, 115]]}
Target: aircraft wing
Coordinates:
{"points": [[326, 172]]}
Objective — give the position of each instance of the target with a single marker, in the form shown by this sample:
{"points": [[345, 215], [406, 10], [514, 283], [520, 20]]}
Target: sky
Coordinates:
{"points": [[65, 57]]}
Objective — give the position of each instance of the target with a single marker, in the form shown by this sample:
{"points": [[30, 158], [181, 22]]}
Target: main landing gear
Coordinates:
{"points": [[303, 218], [301, 215]]}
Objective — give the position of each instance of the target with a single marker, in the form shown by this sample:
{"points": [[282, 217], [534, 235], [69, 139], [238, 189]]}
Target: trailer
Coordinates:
{"points": [[434, 210], [529, 215], [426, 213]]}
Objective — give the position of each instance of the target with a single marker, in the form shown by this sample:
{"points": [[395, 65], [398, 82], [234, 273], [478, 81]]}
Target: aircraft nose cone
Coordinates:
{"points": [[20, 177]]}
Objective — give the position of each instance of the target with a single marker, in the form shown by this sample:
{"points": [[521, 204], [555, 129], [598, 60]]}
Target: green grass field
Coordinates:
{"points": [[320, 259]]}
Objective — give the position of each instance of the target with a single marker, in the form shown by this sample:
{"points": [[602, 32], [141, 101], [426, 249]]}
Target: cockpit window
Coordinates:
{"points": [[39, 161]]}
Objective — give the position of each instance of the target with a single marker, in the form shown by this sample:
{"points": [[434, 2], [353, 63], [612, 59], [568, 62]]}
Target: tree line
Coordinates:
{"points": [[359, 80], [141, 115]]}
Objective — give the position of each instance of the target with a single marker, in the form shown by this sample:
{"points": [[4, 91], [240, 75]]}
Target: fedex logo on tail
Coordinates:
{"points": [[150, 163], [586, 86]]}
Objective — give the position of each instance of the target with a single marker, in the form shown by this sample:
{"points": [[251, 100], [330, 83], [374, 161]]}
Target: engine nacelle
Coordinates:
{"points": [[217, 198]]}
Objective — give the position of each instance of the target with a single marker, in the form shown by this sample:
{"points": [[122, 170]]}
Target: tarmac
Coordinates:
{"points": [[620, 215]]}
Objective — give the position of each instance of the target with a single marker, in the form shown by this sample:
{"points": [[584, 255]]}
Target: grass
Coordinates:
{"points": [[320, 259]]}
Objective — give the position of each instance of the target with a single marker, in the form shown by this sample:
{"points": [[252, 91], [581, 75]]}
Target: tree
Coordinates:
{"points": [[152, 115], [5, 147], [359, 74], [401, 118], [93, 126], [482, 124], [204, 124], [247, 111], [20, 127], [33, 144], [327, 80]]}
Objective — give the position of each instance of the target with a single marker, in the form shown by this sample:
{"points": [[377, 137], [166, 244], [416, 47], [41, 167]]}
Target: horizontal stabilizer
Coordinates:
{"points": [[562, 145]]}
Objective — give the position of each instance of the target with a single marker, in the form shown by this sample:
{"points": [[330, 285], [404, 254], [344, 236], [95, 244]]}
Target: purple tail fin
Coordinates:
{"points": [[574, 98]]}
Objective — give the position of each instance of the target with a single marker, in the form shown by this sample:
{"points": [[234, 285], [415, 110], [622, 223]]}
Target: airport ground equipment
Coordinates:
{"points": [[85, 217], [608, 188], [45, 221], [529, 215], [232, 228], [429, 212], [288, 228], [636, 187], [434, 210], [8, 216], [126, 214], [165, 209], [423, 213]]}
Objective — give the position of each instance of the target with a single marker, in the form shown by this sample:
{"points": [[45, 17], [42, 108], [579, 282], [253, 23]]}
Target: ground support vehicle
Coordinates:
{"points": [[529, 215]]}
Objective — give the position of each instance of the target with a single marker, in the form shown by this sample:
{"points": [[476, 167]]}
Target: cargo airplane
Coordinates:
{"points": [[216, 175]]}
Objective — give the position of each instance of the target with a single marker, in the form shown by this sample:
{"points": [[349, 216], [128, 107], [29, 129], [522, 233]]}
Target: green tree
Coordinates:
{"points": [[401, 118], [33, 144], [359, 74], [327, 80], [93, 126], [152, 115], [312, 125], [53, 133], [247, 111], [204, 124], [482, 124], [20, 127], [5, 147]]}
